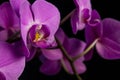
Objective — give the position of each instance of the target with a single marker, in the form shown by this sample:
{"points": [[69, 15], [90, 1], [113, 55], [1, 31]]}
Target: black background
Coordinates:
{"points": [[97, 68]]}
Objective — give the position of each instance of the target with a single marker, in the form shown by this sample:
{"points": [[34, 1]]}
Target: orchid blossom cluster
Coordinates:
{"points": [[27, 29]]}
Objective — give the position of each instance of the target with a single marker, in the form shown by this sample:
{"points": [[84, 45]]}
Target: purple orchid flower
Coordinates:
{"points": [[10, 25], [107, 31], [73, 46], [39, 23], [9, 22], [81, 15], [12, 62]]}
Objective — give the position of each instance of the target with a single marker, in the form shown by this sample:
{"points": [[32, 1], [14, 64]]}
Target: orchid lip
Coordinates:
{"points": [[85, 15], [38, 35]]}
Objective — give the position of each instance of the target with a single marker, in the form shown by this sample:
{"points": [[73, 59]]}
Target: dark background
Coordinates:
{"points": [[97, 68]]}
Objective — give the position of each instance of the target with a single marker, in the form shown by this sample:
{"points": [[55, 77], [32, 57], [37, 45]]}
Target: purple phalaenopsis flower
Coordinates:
{"points": [[73, 47], [107, 31], [9, 25], [39, 22], [81, 15], [9, 22], [12, 62]]}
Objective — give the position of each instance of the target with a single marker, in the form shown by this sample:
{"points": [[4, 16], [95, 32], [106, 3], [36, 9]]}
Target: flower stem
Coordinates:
{"points": [[86, 50], [63, 65], [63, 50], [68, 58], [74, 70], [66, 17]]}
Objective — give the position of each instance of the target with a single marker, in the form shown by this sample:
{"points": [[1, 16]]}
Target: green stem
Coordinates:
{"points": [[68, 58], [86, 50], [67, 17], [63, 65], [74, 70], [63, 50]]}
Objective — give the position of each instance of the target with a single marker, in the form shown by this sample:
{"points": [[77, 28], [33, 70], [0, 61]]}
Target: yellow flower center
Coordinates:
{"points": [[38, 37]]}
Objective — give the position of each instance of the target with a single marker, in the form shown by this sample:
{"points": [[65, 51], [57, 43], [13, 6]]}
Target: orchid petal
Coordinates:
{"points": [[78, 64], [26, 14], [75, 22], [8, 18], [111, 29], [82, 4], [50, 67], [3, 35], [16, 5], [46, 14], [14, 70], [12, 63], [74, 46], [26, 21], [23, 49], [108, 49], [60, 35], [52, 54]]}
